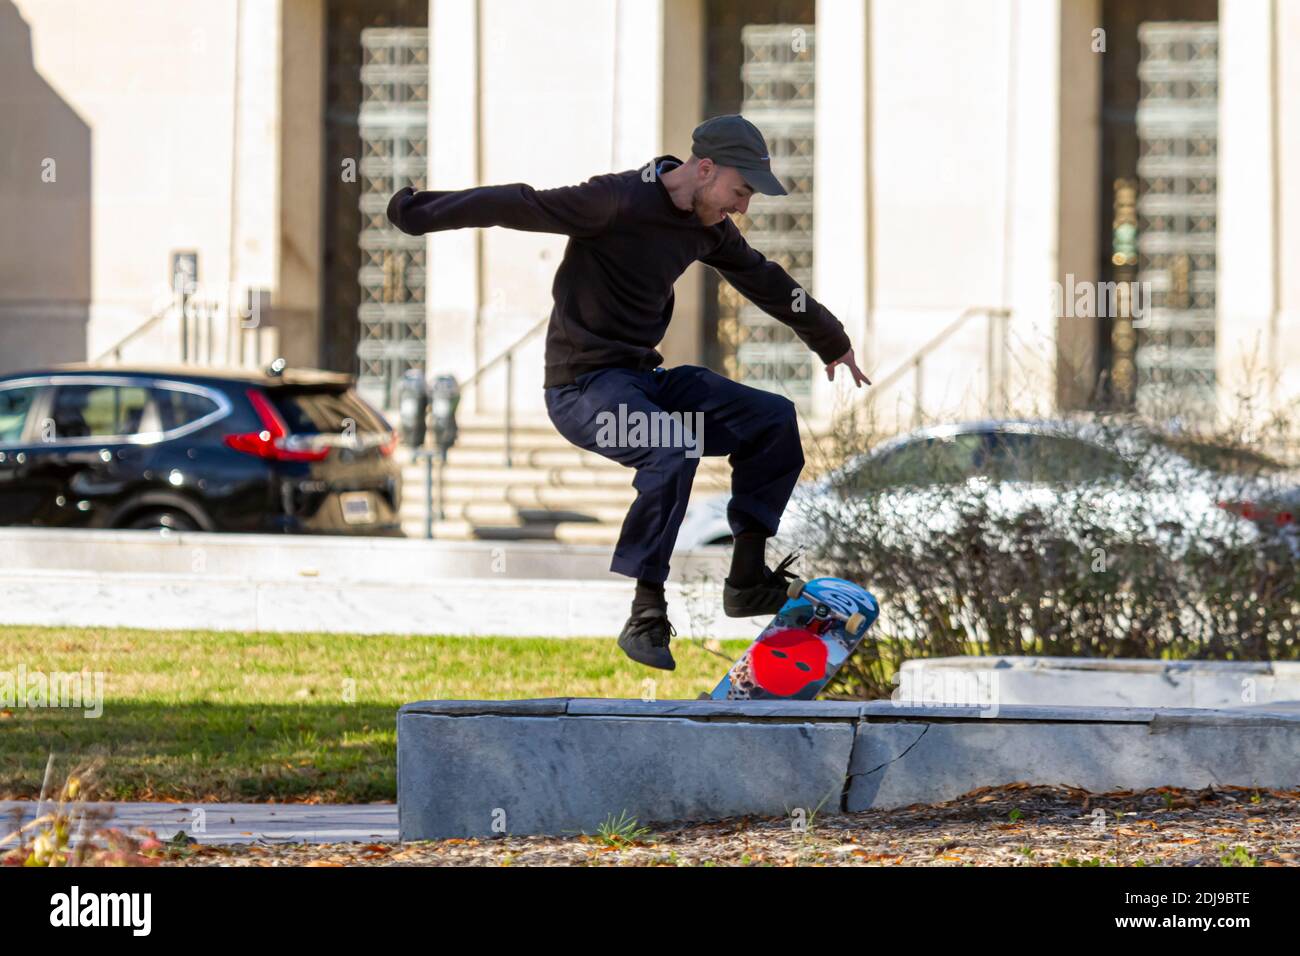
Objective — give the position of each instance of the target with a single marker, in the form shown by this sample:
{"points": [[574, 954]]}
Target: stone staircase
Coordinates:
{"points": [[553, 492]]}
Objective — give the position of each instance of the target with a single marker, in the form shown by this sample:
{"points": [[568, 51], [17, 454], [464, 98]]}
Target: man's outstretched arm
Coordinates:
{"points": [[773, 290], [584, 210]]}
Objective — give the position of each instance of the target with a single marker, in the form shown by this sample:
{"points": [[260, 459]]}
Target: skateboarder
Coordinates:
{"points": [[631, 234]]}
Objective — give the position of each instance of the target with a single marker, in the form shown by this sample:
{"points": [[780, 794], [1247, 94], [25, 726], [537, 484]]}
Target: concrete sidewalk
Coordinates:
{"points": [[299, 584], [240, 822], [459, 607], [340, 558]]}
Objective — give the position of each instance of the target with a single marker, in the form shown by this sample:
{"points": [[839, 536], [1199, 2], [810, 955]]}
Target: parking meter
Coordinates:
{"points": [[412, 406], [446, 396]]}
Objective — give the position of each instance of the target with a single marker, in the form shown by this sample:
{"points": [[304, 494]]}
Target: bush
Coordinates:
{"points": [[1089, 538]]}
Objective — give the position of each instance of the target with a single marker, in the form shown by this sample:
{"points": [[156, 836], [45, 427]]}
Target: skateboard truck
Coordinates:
{"points": [[854, 623]]}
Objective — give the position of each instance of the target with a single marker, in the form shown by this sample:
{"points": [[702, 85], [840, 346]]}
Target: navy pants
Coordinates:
{"points": [[601, 411]]}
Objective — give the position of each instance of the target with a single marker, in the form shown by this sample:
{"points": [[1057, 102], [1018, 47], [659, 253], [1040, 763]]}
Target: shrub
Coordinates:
{"points": [[1099, 537]]}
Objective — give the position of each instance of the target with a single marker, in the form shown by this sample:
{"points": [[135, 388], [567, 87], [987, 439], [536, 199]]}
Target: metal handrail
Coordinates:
{"points": [[507, 356], [145, 326], [501, 356], [168, 312], [916, 361]]}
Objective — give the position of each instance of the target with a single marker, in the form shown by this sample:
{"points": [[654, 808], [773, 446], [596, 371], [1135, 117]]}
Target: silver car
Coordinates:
{"points": [[1074, 476]]}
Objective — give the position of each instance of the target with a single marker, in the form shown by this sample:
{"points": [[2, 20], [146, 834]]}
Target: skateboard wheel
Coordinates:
{"points": [[854, 624], [796, 588]]}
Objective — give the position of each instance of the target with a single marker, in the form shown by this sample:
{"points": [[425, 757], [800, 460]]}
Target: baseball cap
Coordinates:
{"points": [[732, 140]]}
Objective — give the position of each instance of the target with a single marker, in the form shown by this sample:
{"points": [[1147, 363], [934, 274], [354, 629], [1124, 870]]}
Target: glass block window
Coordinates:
{"points": [[777, 74], [1177, 205], [393, 122]]}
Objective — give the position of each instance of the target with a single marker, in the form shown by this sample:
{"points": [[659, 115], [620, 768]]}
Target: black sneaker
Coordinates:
{"points": [[765, 597], [645, 638]]}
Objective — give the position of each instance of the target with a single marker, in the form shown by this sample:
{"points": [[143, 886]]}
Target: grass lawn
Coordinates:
{"points": [[212, 715]]}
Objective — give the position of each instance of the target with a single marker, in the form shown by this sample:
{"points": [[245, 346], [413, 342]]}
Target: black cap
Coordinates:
{"points": [[732, 140]]}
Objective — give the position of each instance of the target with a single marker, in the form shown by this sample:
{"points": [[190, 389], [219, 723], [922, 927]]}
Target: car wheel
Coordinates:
{"points": [[165, 519]]}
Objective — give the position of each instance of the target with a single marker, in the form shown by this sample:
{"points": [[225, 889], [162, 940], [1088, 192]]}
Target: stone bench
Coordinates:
{"points": [[564, 765], [1100, 682]]}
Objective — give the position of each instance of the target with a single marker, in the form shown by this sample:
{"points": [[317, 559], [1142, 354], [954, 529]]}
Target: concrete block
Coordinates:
{"points": [[1088, 682], [557, 766], [888, 710], [901, 763], [720, 709], [460, 776], [538, 707]]}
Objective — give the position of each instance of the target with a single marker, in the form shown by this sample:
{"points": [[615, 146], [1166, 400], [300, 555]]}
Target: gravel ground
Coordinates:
{"points": [[1015, 825]]}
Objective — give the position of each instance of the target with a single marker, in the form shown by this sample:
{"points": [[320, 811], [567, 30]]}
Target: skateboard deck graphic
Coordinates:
{"points": [[805, 644]]}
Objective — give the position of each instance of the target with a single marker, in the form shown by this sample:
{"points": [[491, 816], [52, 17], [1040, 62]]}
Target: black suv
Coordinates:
{"points": [[287, 450]]}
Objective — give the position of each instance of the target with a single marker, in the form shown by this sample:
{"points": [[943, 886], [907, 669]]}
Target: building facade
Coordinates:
{"points": [[1029, 205]]}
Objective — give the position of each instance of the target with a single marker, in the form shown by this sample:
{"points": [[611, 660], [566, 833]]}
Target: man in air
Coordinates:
{"points": [[631, 235]]}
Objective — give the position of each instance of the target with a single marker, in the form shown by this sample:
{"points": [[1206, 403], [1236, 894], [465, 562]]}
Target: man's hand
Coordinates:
{"points": [[847, 360]]}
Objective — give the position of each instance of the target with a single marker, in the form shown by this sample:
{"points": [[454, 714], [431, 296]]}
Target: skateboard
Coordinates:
{"points": [[799, 652]]}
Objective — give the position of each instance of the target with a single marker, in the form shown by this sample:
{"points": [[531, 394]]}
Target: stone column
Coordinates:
{"points": [[299, 250], [454, 259], [1078, 187], [681, 82], [841, 216], [1285, 349], [1245, 345]]}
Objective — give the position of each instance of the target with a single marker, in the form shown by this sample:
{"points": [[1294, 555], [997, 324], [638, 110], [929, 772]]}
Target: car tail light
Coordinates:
{"points": [[1253, 512], [389, 445], [1242, 509], [271, 441]]}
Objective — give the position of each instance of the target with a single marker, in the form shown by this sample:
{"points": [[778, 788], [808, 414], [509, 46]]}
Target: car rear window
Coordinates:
{"points": [[179, 407], [1224, 459], [99, 411], [322, 411], [1050, 458], [14, 406], [930, 461]]}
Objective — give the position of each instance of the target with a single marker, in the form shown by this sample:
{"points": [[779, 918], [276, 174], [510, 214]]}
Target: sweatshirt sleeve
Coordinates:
{"points": [[583, 211], [773, 290]]}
